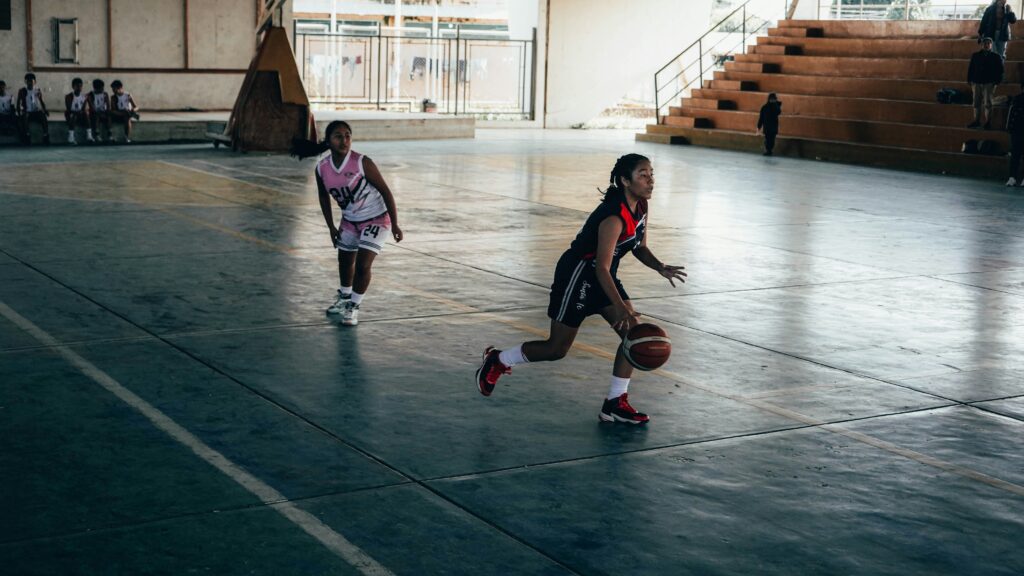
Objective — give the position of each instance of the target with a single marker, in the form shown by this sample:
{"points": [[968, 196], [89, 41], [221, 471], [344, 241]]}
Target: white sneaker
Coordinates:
{"points": [[71, 138], [1012, 181], [127, 140], [339, 304], [89, 138], [351, 315]]}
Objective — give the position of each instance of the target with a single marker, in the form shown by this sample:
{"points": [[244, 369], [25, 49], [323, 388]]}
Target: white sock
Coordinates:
{"points": [[357, 298], [619, 387], [88, 133], [346, 291], [512, 356]]}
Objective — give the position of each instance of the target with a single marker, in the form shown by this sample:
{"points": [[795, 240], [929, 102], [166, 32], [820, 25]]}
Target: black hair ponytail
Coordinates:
{"points": [[623, 168], [302, 148]]}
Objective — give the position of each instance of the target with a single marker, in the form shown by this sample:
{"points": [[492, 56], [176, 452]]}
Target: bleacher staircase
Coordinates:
{"points": [[852, 91]]}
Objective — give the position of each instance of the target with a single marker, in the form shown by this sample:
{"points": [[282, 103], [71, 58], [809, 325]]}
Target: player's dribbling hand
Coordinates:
{"points": [[673, 273], [627, 319], [397, 232]]}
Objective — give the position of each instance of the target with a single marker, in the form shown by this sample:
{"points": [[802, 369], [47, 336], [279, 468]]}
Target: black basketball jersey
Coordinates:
{"points": [[635, 225]]}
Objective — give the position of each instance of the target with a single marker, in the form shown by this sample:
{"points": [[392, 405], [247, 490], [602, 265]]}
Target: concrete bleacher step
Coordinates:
{"points": [[707, 103], [955, 163], [868, 109], [757, 67], [883, 88], [944, 48], [686, 121], [907, 69], [888, 29], [797, 32], [774, 49], [738, 85], [892, 134], [866, 89]]}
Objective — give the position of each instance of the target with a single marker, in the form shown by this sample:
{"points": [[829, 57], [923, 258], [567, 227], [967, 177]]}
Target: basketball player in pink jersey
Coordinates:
{"points": [[586, 284], [368, 213]]}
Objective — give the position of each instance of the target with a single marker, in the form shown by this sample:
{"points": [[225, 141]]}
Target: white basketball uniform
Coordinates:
{"points": [[124, 102], [32, 98], [100, 102], [365, 223], [78, 101]]}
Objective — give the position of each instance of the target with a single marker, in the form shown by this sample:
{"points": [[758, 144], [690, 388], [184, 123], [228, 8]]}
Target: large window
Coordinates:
{"points": [[5, 14]]}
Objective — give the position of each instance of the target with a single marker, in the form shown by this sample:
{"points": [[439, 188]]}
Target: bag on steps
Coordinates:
{"points": [[970, 147], [951, 96], [989, 148]]}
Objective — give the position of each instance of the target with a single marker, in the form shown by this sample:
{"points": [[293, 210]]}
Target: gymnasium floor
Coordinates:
{"points": [[846, 393]]}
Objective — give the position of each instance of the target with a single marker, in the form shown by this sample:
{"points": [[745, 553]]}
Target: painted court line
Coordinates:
{"points": [[208, 173], [249, 172], [754, 402], [309, 523]]}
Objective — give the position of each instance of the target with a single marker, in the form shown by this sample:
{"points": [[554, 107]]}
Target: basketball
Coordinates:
{"points": [[646, 347]]}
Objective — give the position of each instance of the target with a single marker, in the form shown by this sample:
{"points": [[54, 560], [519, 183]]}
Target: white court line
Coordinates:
{"points": [[309, 523], [249, 172], [201, 171]]}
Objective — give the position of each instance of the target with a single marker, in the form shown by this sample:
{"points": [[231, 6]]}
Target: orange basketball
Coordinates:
{"points": [[646, 346]]}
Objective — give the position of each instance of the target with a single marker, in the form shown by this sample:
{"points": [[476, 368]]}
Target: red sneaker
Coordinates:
{"points": [[619, 410], [489, 372]]}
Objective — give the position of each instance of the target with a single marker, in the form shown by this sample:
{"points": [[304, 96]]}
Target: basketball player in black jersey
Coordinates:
{"points": [[585, 284]]}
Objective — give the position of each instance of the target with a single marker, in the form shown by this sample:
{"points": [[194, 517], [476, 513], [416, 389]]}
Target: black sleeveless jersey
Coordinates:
{"points": [[584, 246]]}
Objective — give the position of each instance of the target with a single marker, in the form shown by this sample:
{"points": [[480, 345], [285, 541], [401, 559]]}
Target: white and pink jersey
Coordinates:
{"points": [[359, 200]]}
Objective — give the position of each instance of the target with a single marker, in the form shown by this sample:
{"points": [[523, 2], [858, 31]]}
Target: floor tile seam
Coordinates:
{"points": [[241, 508], [966, 228], [986, 288], [795, 427], [779, 287], [495, 194], [222, 198], [304, 185], [75, 343], [13, 215], [808, 360], [810, 255], [994, 412], [266, 398], [300, 326], [477, 268], [128, 258]]}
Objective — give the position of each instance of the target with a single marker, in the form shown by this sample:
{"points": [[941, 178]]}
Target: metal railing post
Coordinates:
{"points": [[906, 10], [700, 59], [744, 38]]}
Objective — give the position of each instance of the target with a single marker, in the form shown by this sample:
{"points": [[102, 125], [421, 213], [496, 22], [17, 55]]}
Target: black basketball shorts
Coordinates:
{"points": [[575, 293]]}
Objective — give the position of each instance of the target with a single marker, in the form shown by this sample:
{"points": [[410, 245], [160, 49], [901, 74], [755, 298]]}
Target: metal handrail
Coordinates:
{"points": [[699, 43]]}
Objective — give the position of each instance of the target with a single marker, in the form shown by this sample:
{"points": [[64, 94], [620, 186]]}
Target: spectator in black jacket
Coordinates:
{"points": [[1015, 126], [995, 24], [984, 74], [768, 122]]}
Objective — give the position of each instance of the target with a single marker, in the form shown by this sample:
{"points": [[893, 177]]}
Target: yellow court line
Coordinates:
{"points": [[963, 471]]}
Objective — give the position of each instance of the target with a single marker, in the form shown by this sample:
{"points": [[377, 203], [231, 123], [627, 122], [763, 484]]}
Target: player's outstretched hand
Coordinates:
{"points": [[397, 232], [673, 273]]}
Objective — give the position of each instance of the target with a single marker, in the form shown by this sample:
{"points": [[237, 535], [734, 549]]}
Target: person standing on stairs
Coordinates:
{"points": [[768, 122], [984, 74], [995, 24]]}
